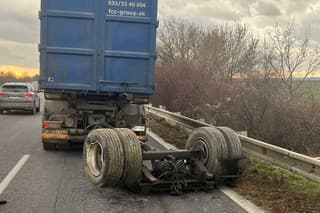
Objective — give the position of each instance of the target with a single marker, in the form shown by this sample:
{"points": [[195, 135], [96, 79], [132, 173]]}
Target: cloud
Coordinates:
{"points": [[266, 8], [260, 15], [19, 33], [199, 10], [19, 54], [19, 23]]}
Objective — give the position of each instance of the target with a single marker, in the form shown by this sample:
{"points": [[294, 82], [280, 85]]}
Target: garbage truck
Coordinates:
{"points": [[97, 71]]}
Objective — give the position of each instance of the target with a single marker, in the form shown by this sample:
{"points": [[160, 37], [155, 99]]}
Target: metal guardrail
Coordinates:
{"points": [[297, 163]]}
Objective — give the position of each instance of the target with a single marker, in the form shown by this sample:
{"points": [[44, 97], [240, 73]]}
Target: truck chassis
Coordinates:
{"points": [[70, 116]]}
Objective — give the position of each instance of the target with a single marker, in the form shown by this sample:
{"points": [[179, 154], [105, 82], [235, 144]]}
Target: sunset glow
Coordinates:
{"points": [[18, 72]]}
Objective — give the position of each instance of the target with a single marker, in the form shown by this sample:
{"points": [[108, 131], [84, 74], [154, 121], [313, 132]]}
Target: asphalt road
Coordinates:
{"points": [[55, 181]]}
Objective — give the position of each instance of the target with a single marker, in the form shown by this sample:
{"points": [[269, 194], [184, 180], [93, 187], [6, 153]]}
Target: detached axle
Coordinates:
{"points": [[175, 171], [179, 154], [114, 157]]}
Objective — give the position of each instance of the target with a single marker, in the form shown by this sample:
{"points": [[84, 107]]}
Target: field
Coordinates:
{"points": [[311, 89]]}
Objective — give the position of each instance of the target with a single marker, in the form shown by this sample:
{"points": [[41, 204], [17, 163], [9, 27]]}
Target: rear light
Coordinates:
{"points": [[28, 95], [1, 94], [52, 124]]}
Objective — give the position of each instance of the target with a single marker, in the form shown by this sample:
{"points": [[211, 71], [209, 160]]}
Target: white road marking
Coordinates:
{"points": [[241, 201], [14, 171]]}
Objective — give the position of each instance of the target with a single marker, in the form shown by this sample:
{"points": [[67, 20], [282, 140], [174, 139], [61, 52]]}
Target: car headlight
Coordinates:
{"points": [[138, 128]]}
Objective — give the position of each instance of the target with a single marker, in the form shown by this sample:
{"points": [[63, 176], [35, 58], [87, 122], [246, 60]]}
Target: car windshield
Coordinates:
{"points": [[14, 88]]}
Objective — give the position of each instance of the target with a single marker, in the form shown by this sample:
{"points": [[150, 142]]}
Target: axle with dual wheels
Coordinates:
{"points": [[114, 157]]}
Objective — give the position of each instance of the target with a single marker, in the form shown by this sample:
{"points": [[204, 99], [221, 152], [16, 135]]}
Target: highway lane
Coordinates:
{"points": [[16, 138], [55, 181]]}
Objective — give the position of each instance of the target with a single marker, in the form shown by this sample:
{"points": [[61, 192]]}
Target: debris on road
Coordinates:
{"points": [[2, 202]]}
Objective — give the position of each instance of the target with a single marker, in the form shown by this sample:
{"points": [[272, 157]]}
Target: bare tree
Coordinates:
{"points": [[289, 56], [222, 51], [211, 54], [241, 50], [179, 40], [227, 51]]}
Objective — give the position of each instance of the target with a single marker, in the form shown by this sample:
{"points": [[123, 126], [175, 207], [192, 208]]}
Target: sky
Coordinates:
{"points": [[19, 23]]}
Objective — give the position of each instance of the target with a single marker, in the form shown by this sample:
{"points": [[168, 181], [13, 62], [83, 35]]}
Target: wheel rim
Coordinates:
{"points": [[95, 159], [200, 145]]}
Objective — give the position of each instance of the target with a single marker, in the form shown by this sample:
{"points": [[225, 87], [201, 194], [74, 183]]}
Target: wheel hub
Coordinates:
{"points": [[95, 159], [201, 146]]}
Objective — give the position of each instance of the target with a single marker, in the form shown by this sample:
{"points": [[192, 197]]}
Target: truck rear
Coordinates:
{"points": [[97, 61], [97, 66]]}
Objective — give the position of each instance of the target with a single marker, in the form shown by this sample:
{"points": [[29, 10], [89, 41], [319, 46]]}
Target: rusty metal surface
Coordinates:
{"points": [[297, 163]]}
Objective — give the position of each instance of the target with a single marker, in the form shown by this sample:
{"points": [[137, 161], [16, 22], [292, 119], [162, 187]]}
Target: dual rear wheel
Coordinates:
{"points": [[220, 148], [113, 157]]}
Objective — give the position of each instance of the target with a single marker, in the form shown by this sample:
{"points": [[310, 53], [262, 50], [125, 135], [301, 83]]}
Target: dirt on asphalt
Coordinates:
{"points": [[269, 187]]}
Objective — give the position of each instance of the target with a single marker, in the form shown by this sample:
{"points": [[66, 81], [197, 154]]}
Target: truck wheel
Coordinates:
{"points": [[234, 150], [103, 158], [211, 143], [48, 146], [233, 142], [132, 158]]}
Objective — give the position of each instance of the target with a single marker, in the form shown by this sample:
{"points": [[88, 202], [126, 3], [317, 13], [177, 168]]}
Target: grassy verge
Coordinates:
{"points": [[277, 189]]}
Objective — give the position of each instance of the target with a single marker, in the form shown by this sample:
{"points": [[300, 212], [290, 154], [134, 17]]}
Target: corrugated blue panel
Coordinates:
{"points": [[72, 5], [98, 45]]}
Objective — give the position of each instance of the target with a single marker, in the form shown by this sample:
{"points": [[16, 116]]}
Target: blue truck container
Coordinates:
{"points": [[98, 45], [97, 61]]}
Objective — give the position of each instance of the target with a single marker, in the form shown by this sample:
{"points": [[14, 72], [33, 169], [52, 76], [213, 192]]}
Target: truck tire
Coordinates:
{"points": [[48, 146], [103, 158], [233, 142], [213, 146], [234, 153], [132, 158]]}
